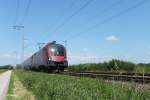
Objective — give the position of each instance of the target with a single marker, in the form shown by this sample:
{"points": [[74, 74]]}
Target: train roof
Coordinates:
{"points": [[54, 44]]}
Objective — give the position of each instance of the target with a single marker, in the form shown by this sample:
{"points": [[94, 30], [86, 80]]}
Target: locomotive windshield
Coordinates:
{"points": [[57, 51]]}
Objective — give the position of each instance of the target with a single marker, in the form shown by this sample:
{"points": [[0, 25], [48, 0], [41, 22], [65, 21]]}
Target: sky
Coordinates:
{"points": [[95, 30]]}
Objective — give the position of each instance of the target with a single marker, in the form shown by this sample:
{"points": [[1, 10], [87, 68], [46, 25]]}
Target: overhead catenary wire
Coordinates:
{"points": [[20, 26], [109, 19], [24, 15], [107, 9], [26, 12], [70, 6], [103, 11], [60, 17], [16, 12], [72, 15]]}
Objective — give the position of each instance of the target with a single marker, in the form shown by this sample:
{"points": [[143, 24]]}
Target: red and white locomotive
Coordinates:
{"points": [[52, 56]]}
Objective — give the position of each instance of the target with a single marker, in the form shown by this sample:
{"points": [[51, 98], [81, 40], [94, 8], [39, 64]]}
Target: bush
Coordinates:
{"points": [[113, 65], [6, 67]]}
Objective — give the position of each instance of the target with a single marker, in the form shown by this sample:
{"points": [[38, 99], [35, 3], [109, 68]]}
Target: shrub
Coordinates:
{"points": [[113, 65]]}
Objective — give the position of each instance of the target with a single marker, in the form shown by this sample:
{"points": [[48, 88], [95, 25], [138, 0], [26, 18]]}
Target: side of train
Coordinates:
{"points": [[52, 56]]}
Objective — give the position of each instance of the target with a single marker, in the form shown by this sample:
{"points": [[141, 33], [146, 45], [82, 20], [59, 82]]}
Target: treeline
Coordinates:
{"points": [[6, 67], [113, 65]]}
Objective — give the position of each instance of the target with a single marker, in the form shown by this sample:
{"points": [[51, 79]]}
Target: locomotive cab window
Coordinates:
{"points": [[57, 51]]}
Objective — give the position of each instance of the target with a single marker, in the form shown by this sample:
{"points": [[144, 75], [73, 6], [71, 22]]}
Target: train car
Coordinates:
{"points": [[52, 56]]}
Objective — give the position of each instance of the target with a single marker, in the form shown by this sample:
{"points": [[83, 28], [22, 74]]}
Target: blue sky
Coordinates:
{"points": [[124, 37]]}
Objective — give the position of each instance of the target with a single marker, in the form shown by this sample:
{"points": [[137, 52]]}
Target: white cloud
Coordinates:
{"points": [[78, 59], [69, 53], [7, 59], [7, 56], [11, 58], [85, 49], [112, 38]]}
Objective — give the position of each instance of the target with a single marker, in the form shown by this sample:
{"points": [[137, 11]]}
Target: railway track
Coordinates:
{"points": [[131, 77]]}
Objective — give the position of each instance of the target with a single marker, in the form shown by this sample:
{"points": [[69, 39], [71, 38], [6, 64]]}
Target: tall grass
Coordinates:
{"points": [[59, 87]]}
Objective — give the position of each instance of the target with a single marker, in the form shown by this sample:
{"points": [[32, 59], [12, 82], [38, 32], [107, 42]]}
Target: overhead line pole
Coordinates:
{"points": [[23, 45], [65, 43], [15, 56], [40, 45], [19, 27]]}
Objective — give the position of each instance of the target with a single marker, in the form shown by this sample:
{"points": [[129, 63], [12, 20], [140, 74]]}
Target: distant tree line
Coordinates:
{"points": [[6, 67], [113, 65]]}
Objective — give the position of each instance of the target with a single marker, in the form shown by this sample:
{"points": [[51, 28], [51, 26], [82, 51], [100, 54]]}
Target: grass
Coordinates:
{"points": [[58, 87], [11, 87], [2, 70], [17, 91]]}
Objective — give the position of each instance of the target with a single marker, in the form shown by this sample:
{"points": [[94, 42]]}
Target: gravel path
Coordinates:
{"points": [[4, 83]]}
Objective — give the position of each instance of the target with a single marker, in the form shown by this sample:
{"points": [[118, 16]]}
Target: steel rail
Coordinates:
{"points": [[132, 77]]}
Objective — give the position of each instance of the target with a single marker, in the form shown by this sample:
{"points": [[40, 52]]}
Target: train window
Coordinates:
{"points": [[57, 51]]}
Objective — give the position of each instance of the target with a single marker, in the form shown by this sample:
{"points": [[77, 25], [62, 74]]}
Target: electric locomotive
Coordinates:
{"points": [[52, 56]]}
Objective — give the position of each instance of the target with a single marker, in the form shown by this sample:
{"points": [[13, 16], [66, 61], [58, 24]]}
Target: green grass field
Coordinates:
{"points": [[58, 87], [2, 70]]}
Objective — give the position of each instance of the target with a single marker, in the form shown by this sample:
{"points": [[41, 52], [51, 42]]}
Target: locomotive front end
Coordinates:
{"points": [[58, 56]]}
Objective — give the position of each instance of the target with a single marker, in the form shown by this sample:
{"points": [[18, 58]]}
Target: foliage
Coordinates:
{"points": [[113, 65], [59, 87], [2, 70], [6, 67]]}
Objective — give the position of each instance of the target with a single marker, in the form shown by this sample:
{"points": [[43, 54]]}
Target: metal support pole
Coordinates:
{"points": [[15, 60], [19, 27], [22, 46], [40, 45], [65, 43]]}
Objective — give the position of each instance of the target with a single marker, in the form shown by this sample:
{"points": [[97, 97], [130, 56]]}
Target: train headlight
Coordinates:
{"points": [[52, 50]]}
